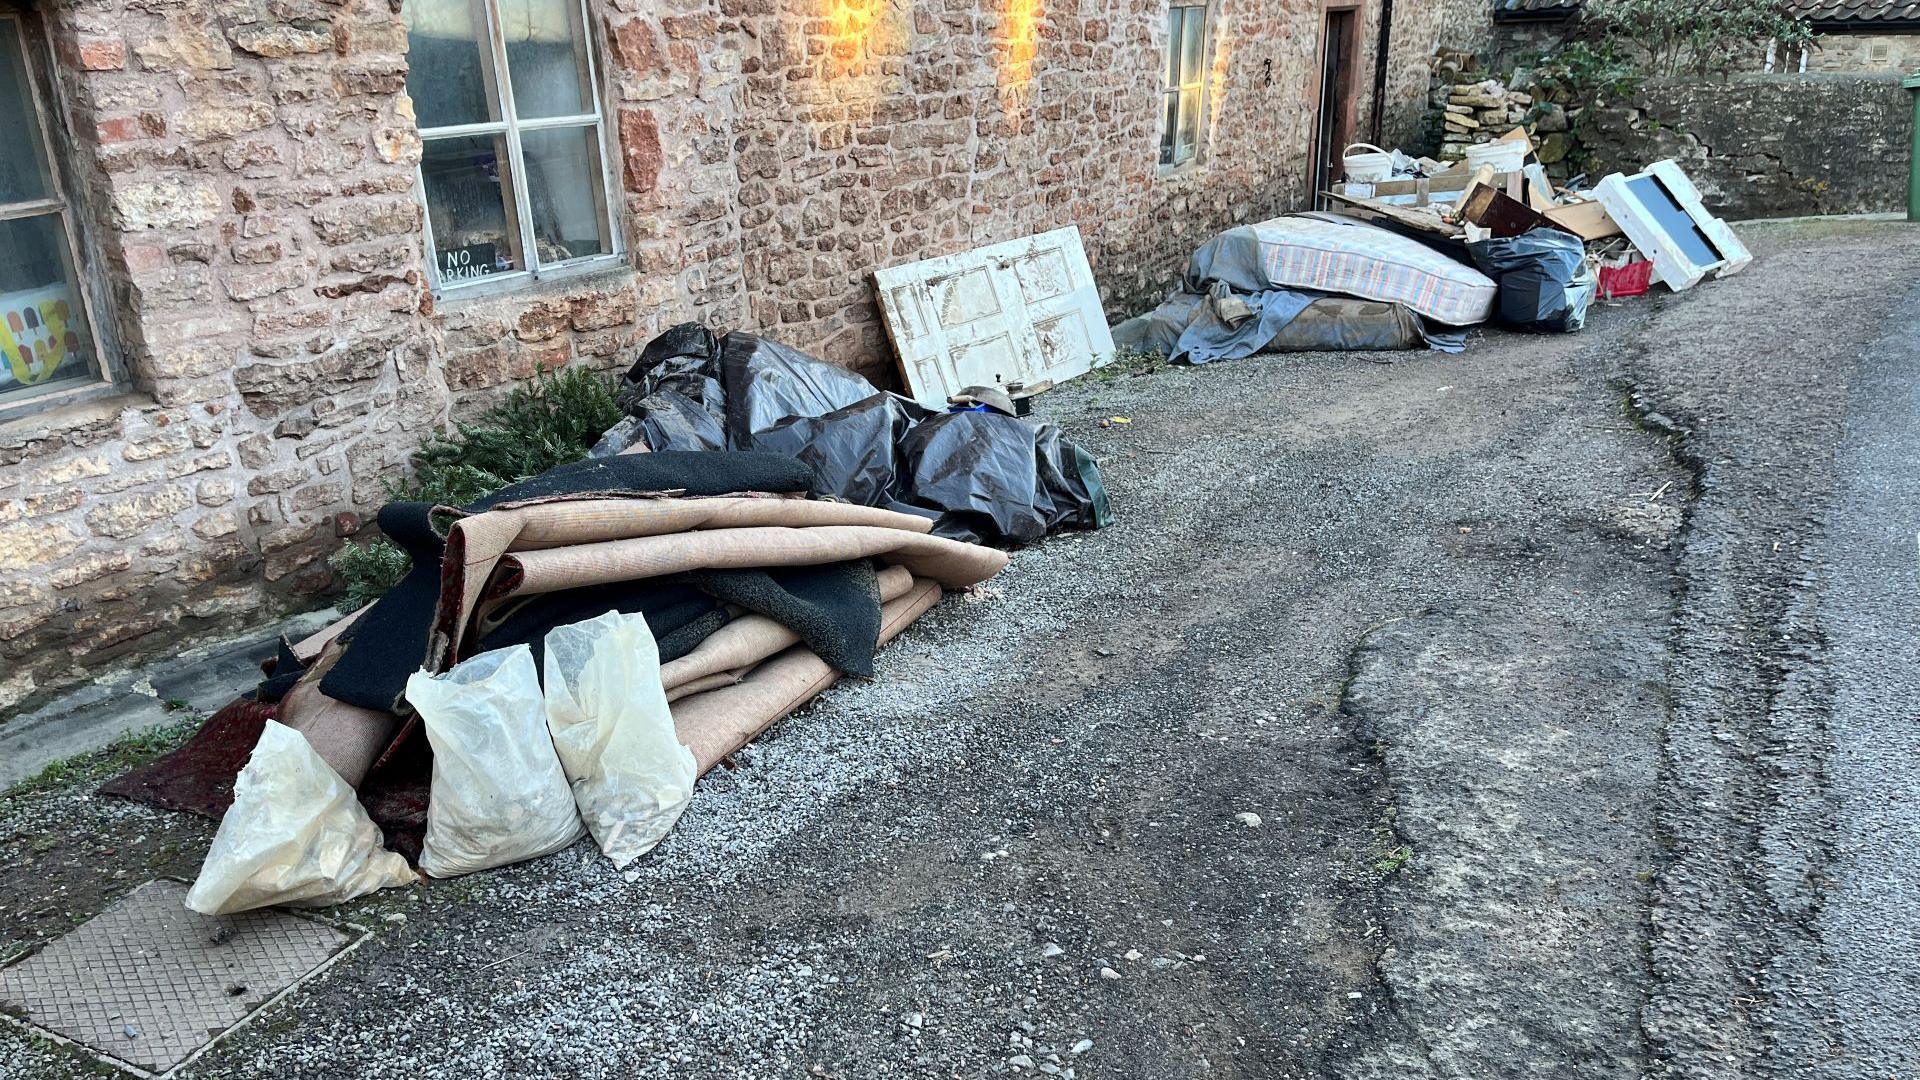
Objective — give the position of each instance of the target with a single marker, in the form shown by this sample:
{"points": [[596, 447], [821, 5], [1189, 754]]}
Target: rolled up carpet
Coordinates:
{"points": [[718, 722]]}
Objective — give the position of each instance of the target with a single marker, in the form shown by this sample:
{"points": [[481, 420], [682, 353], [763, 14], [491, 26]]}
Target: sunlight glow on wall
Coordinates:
{"points": [[849, 22], [1021, 21], [1217, 78]]}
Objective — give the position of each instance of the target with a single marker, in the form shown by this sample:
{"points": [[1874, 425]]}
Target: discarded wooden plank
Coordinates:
{"points": [[1445, 187], [1410, 219], [1587, 220]]}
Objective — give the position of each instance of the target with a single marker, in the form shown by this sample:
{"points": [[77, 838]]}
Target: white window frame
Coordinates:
{"points": [[105, 379], [510, 127], [1168, 148]]}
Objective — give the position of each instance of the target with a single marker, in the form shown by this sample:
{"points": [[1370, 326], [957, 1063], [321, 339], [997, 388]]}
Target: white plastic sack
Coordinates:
{"points": [[610, 722], [294, 835], [498, 794]]}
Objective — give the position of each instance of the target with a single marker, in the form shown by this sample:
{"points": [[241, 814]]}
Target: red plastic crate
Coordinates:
{"points": [[1632, 279]]}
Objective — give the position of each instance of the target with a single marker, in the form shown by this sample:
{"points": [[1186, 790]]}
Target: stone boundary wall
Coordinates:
{"points": [[1767, 145], [1422, 29]]}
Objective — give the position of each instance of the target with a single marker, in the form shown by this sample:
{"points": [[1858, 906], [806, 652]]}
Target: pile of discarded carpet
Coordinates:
{"points": [[569, 653]]}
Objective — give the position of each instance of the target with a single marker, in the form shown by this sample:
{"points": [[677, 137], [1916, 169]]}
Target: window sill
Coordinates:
{"points": [[587, 274], [1190, 168], [40, 417]]}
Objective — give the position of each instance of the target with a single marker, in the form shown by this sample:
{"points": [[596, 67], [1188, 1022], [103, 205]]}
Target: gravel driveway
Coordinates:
{"points": [[1496, 715]]}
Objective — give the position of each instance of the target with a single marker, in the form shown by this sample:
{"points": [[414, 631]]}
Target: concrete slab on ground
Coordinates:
{"points": [[148, 983]]}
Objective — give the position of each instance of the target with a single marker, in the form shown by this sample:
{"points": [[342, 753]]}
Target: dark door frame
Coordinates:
{"points": [[1339, 127]]}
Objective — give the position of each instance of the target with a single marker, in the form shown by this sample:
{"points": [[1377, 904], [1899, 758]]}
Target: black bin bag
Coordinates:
{"points": [[979, 475], [1544, 281], [995, 478], [853, 451]]}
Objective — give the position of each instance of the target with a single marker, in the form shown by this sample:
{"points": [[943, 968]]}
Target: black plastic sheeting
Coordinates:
{"points": [[1544, 282], [980, 475]]}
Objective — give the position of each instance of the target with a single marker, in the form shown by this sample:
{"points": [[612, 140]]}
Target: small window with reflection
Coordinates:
{"points": [[514, 167], [1183, 82]]}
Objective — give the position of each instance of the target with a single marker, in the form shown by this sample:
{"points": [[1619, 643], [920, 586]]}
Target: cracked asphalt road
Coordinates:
{"points": [[1570, 678]]}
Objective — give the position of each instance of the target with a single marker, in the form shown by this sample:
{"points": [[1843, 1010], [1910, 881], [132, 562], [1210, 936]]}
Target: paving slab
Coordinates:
{"points": [[148, 983]]}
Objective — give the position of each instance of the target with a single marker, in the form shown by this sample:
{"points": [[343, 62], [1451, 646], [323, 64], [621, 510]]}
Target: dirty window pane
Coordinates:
{"points": [[527, 190], [476, 227], [43, 327], [1186, 49], [546, 58], [1172, 76], [1170, 125], [1192, 28], [568, 194], [1189, 124], [23, 168], [449, 63]]}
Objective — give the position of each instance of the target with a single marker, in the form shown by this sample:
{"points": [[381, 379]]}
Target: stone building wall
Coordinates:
{"points": [[960, 125], [1835, 53], [248, 171], [1858, 50], [1422, 28], [248, 178], [1520, 42], [1745, 141]]}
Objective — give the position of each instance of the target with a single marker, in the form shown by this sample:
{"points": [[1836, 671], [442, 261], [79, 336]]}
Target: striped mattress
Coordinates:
{"points": [[1351, 259]]}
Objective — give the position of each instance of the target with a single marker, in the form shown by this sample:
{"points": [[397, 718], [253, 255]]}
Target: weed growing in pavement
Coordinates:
{"points": [[126, 752], [1394, 860], [1129, 361]]}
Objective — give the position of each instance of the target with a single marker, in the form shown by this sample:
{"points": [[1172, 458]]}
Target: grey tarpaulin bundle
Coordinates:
{"points": [[1330, 323], [978, 474]]}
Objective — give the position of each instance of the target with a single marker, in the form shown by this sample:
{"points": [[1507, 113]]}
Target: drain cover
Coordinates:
{"points": [[148, 983]]}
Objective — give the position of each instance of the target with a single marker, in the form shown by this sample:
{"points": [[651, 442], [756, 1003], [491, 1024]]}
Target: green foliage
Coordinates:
{"points": [[1624, 42], [1393, 860], [1696, 37], [1579, 77], [369, 570], [135, 748], [553, 420], [1585, 73], [1129, 361]]}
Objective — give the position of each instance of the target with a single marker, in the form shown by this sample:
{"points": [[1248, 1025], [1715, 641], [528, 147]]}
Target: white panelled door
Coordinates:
{"points": [[1011, 315]]}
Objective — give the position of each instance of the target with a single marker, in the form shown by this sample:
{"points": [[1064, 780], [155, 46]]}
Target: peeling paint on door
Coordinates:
{"points": [[1013, 314]]}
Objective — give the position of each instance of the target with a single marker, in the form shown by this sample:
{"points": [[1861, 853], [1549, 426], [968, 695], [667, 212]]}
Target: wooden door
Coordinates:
{"points": [[1334, 127], [1012, 314]]}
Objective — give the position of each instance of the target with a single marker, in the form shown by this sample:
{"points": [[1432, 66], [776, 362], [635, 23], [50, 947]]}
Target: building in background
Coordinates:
{"points": [[1855, 36]]}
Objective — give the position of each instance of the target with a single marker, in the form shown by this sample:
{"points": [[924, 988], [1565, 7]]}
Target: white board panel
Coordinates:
{"points": [[1011, 315]]}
